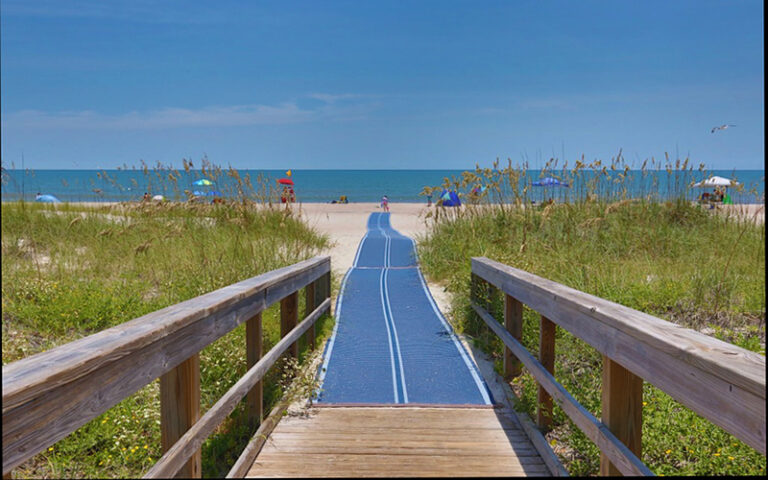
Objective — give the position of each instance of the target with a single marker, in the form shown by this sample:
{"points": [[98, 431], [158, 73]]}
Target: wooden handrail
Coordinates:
{"points": [[175, 458], [720, 381], [619, 454], [49, 395]]}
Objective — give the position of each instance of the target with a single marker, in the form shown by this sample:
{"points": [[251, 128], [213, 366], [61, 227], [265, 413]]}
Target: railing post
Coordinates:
{"points": [[622, 400], [289, 314], [547, 359], [254, 345], [326, 292], [180, 409], [309, 306], [513, 322]]}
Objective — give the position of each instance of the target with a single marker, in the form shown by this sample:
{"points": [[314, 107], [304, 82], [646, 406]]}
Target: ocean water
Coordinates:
{"points": [[323, 186]]}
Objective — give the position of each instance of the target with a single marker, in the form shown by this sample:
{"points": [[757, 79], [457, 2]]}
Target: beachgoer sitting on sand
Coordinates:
{"points": [[146, 197]]}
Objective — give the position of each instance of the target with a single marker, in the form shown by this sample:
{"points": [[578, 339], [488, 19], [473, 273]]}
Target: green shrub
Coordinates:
{"points": [[71, 271], [671, 259]]}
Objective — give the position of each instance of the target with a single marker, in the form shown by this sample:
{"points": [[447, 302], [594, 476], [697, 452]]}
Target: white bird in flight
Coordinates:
{"points": [[721, 127]]}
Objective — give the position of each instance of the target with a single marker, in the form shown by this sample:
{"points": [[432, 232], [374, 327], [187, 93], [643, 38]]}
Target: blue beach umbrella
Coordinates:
{"points": [[214, 193], [549, 182], [47, 199], [449, 198]]}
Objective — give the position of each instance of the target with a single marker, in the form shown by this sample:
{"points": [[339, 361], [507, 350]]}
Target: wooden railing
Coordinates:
{"points": [[49, 395], [722, 382]]}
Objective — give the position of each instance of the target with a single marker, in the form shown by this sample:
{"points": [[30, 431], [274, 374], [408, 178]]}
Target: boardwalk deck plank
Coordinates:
{"points": [[392, 442]]}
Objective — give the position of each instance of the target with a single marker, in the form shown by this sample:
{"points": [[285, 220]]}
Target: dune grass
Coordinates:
{"points": [[673, 259], [70, 271]]}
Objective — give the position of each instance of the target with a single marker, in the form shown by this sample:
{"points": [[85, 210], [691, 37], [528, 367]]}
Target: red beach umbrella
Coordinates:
{"points": [[285, 181]]}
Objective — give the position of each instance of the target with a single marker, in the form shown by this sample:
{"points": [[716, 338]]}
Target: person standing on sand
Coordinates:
{"points": [[385, 203]]}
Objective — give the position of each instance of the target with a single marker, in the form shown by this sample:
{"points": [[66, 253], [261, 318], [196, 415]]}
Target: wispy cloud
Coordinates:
{"points": [[333, 98], [146, 11], [163, 118], [170, 117], [548, 104]]}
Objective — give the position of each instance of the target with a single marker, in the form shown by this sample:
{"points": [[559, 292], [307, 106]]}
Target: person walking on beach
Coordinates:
{"points": [[385, 203]]}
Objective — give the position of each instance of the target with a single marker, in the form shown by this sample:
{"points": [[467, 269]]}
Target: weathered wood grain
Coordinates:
{"points": [[722, 382], [180, 409], [547, 358], [407, 442], [622, 401], [254, 345], [513, 322], [191, 441], [309, 305], [246, 458], [617, 452], [289, 314], [550, 458], [49, 395]]}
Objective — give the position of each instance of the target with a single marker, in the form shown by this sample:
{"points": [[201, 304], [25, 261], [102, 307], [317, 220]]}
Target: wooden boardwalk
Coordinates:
{"points": [[398, 442]]}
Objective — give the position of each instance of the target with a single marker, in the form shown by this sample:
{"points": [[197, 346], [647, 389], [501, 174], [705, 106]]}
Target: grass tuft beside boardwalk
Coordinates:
{"points": [[70, 271], [671, 259]]}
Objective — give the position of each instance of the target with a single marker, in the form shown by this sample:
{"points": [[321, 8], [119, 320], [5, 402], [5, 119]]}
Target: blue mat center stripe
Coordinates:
{"points": [[389, 331]]}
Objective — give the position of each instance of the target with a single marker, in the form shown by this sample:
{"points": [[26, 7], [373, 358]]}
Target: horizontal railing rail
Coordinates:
{"points": [[49, 395], [175, 458], [722, 382]]}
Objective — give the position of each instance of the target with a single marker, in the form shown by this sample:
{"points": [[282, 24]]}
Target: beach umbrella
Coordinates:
{"points": [[203, 182], [449, 198], [198, 193], [47, 199], [214, 193], [158, 198], [716, 182], [285, 181], [549, 182]]}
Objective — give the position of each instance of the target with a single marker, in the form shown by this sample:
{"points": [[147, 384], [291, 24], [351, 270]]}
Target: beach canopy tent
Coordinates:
{"points": [[285, 181], [47, 199], [549, 182], [158, 198], [716, 182], [449, 198], [203, 182]]}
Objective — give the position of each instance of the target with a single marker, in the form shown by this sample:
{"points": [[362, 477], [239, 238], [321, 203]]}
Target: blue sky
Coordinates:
{"points": [[444, 84]]}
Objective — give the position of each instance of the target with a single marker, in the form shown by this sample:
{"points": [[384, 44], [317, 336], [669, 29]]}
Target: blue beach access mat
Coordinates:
{"points": [[391, 344]]}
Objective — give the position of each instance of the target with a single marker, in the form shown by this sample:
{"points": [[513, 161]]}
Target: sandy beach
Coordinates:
{"points": [[345, 224], [752, 212]]}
